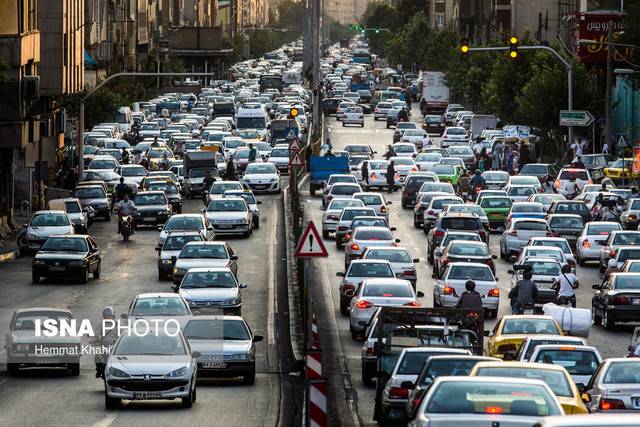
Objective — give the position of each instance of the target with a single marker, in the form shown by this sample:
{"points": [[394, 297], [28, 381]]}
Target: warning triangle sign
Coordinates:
{"points": [[294, 144], [310, 244], [296, 161], [291, 134]]}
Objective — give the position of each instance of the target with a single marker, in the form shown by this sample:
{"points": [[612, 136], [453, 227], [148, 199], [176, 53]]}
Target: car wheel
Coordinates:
{"points": [[96, 274], [85, 276], [608, 320], [74, 369], [435, 302], [343, 124], [594, 316], [13, 369], [187, 402], [111, 402], [250, 378], [35, 278]]}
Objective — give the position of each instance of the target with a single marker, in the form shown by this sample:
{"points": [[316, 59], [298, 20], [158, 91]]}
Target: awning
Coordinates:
{"points": [[88, 59]]}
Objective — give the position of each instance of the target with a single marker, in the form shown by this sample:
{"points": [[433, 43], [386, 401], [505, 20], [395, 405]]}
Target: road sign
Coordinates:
{"points": [[290, 133], [576, 118], [622, 142], [294, 145], [310, 244], [295, 161]]}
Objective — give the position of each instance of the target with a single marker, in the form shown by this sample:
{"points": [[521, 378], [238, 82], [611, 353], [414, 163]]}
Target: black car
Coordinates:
{"points": [[152, 208], [617, 300], [595, 164], [567, 226], [433, 124], [96, 197], [365, 96], [412, 184], [454, 222], [172, 193], [572, 207], [67, 256], [330, 105]]}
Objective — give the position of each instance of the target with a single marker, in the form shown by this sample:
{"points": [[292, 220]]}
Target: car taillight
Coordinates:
{"points": [[611, 404], [586, 244], [490, 263], [493, 410], [371, 351], [348, 287], [621, 300], [383, 209], [495, 292], [414, 169], [557, 183], [482, 234], [513, 232], [329, 197], [355, 247], [571, 263], [408, 273], [448, 290], [398, 393], [412, 304], [363, 304], [612, 253], [342, 228], [347, 236], [438, 234], [445, 261], [632, 217], [374, 176]]}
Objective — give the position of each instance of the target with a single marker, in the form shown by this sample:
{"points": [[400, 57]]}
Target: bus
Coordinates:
{"points": [[271, 81], [361, 57]]}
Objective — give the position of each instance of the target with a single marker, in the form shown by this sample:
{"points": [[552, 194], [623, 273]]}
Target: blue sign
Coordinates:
{"points": [[290, 133]]}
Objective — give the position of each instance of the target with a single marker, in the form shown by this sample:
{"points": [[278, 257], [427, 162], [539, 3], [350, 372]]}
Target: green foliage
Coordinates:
{"points": [[380, 15]]}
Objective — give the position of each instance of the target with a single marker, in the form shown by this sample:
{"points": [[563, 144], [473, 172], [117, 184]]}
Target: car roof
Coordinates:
{"points": [[540, 220], [387, 281], [555, 215], [158, 295], [573, 347], [49, 212], [370, 261], [31, 309], [373, 228]]}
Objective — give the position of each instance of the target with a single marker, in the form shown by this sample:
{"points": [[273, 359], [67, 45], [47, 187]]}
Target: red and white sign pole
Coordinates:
{"points": [[317, 403]]}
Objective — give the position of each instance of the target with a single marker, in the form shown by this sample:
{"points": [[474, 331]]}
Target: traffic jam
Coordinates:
{"points": [[470, 282]]}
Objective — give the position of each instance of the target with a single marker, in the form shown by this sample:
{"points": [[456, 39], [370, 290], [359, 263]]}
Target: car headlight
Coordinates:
{"points": [[247, 180], [21, 347], [166, 261], [179, 270], [76, 263], [177, 373], [118, 373], [233, 301]]}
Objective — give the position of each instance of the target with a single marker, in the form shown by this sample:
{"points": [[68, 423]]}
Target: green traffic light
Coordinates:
{"points": [[377, 30]]}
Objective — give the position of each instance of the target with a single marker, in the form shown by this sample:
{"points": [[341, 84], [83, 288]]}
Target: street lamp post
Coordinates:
{"points": [[97, 87]]}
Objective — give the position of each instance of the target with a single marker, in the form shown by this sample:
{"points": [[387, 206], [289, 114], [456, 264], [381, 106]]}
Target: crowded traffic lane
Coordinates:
{"points": [[127, 270], [609, 343]]}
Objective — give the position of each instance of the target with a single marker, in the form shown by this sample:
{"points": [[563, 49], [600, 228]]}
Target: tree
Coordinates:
{"points": [[380, 15]]}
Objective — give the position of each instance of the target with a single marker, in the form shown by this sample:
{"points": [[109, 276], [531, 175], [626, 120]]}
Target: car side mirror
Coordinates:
{"points": [[258, 338], [339, 274], [234, 257], [392, 228], [397, 240], [158, 248], [494, 257], [242, 286], [416, 260], [196, 354], [159, 228], [389, 202], [407, 384], [259, 202], [486, 333], [420, 294]]}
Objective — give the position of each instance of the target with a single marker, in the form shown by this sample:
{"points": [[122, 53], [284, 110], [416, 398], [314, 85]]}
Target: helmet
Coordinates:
{"points": [[478, 172], [108, 313]]}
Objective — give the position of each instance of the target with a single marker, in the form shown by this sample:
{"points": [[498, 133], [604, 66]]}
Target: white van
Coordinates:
{"points": [[124, 118], [292, 77], [253, 116]]}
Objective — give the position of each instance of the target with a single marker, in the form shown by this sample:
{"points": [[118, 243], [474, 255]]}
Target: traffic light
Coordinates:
{"points": [[513, 47], [464, 47], [377, 30]]}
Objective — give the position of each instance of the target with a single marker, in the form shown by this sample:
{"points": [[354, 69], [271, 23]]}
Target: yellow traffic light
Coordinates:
{"points": [[513, 47], [464, 47], [513, 54], [513, 40], [294, 112]]}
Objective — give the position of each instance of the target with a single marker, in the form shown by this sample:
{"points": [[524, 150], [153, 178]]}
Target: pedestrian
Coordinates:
{"points": [[496, 154], [106, 337], [71, 179], [230, 170], [524, 155], [253, 153], [470, 299], [206, 186], [605, 148], [125, 156], [391, 177], [155, 142], [477, 147], [511, 154], [482, 159], [365, 172]]}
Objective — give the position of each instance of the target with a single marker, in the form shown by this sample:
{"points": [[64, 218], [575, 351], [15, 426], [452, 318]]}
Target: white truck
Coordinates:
{"points": [[480, 122], [435, 93]]}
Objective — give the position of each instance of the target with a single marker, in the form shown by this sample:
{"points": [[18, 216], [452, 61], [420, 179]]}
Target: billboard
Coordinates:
{"points": [[594, 26]]}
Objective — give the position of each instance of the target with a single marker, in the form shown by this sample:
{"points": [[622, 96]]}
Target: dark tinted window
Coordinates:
{"points": [[460, 224], [374, 235], [530, 226]]}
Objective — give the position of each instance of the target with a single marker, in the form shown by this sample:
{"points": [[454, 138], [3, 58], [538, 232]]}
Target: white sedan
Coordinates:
{"points": [[261, 178], [418, 137], [353, 116]]}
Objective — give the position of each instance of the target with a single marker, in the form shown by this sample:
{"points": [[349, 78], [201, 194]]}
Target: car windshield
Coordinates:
{"points": [[369, 222], [89, 193], [621, 163], [150, 344], [532, 169], [414, 132], [399, 256], [135, 171], [279, 152], [208, 279], [495, 177], [373, 235], [251, 122], [545, 253], [370, 199], [621, 239], [442, 187], [26, 321], [566, 222], [344, 190], [556, 380], [491, 397], [378, 165], [443, 170], [167, 187], [448, 368], [574, 208], [628, 253], [562, 244], [530, 326], [472, 209], [200, 173], [529, 207], [221, 187], [627, 282], [227, 205], [466, 249], [387, 291], [216, 329], [627, 372], [63, 244], [470, 272], [404, 148], [576, 362], [349, 214], [102, 164], [428, 157], [156, 153], [339, 204], [456, 131], [204, 252], [441, 203], [496, 203], [544, 268], [49, 220], [404, 161], [160, 306], [466, 237], [459, 151], [72, 207], [176, 243], [184, 223], [257, 168], [459, 223], [412, 362], [142, 199], [370, 270]]}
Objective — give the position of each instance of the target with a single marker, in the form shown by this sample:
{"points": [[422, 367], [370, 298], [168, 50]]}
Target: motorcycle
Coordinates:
{"points": [[126, 227]]}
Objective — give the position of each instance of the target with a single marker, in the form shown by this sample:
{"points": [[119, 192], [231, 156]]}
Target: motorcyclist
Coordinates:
{"points": [[565, 285], [121, 190], [206, 186], [105, 339], [470, 299], [609, 214], [477, 182], [124, 208], [548, 186], [524, 294], [391, 177], [125, 157], [390, 152], [572, 189], [464, 183]]}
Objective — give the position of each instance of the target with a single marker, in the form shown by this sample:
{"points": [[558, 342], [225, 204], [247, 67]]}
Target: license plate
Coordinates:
{"points": [[527, 311], [146, 395], [148, 219], [635, 301], [215, 365], [56, 268], [225, 226]]}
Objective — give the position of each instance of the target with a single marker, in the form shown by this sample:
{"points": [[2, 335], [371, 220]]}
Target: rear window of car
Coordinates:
{"points": [[335, 179], [466, 237], [533, 170], [576, 362], [626, 239], [532, 346], [530, 226], [468, 250], [578, 174], [496, 203], [460, 224], [601, 229], [527, 208], [370, 270], [382, 290], [344, 190], [389, 255], [564, 222], [622, 373], [349, 214], [544, 268], [466, 272], [521, 191], [412, 363], [440, 203], [627, 282], [370, 199], [627, 253], [456, 131], [374, 235]]}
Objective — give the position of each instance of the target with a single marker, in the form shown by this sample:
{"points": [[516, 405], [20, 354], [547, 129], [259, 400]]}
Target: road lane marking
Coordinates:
{"points": [[271, 281], [106, 421]]}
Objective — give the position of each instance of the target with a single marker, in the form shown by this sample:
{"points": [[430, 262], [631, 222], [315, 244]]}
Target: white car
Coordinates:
{"points": [[250, 198], [261, 178], [403, 149], [581, 361], [280, 157], [136, 366], [230, 216], [520, 193], [378, 174], [417, 137], [374, 293], [331, 214], [447, 290], [134, 173], [341, 107], [381, 110], [581, 176], [218, 189], [208, 289], [375, 201], [186, 222], [593, 235], [44, 224], [454, 136], [404, 166], [425, 161], [524, 180], [352, 116]]}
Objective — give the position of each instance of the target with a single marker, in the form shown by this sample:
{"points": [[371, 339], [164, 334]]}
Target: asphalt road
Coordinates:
{"points": [[610, 344], [55, 399]]}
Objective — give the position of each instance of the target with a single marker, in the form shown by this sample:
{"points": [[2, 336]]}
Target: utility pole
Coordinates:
{"points": [[607, 125]]}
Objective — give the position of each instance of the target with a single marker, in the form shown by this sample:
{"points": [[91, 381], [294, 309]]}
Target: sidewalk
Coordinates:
{"points": [[8, 247]]}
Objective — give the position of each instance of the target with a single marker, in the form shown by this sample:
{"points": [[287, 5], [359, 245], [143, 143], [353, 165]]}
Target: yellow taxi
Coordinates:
{"points": [[507, 336], [555, 376], [249, 135], [621, 169]]}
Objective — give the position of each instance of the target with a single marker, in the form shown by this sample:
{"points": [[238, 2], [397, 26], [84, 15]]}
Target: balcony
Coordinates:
{"points": [[20, 49]]}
